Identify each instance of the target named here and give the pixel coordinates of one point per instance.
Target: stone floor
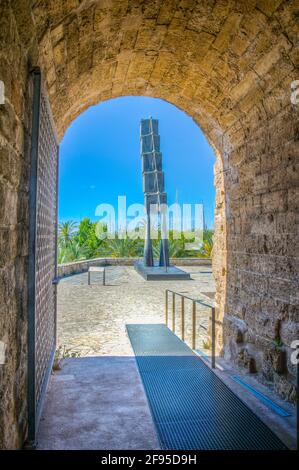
(91, 319)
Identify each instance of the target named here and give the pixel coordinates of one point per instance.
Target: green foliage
(62, 352)
(86, 237)
(126, 247)
(79, 242)
(72, 251)
(175, 248)
(66, 231)
(84, 241)
(206, 251)
(278, 342)
(206, 344)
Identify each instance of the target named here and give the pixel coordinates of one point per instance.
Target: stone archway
(230, 66)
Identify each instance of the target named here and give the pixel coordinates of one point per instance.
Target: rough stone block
(274, 361)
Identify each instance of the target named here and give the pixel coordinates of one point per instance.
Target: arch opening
(101, 175)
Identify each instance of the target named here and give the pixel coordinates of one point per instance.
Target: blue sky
(100, 158)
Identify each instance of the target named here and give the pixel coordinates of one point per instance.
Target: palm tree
(66, 230)
(123, 247)
(71, 251)
(175, 248)
(207, 246)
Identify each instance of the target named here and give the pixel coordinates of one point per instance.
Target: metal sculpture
(153, 189)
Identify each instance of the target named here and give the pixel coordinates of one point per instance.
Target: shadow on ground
(97, 403)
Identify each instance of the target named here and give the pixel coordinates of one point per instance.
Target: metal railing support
(166, 307)
(213, 334)
(193, 324)
(173, 311)
(183, 317)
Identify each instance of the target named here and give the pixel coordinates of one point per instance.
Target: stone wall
(219, 256)
(261, 311)
(230, 66)
(82, 266)
(14, 171)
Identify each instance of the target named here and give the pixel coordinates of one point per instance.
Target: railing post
(193, 324)
(183, 317)
(166, 307)
(173, 311)
(213, 338)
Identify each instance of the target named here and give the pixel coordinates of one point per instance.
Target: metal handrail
(194, 302)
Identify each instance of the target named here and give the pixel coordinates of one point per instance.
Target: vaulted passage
(228, 64)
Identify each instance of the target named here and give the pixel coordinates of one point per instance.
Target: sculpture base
(159, 273)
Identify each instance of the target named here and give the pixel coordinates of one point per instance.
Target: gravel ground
(92, 319)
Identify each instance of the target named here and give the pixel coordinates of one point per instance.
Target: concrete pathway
(97, 403)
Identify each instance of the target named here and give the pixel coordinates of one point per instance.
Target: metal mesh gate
(42, 253)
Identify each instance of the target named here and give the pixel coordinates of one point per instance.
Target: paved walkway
(91, 319)
(97, 403)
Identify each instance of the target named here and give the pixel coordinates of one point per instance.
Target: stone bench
(96, 269)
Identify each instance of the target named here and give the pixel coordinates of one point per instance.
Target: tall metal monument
(153, 188)
(154, 195)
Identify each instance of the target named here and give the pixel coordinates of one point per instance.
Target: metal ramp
(191, 407)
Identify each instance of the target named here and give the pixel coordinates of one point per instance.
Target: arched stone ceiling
(218, 60)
